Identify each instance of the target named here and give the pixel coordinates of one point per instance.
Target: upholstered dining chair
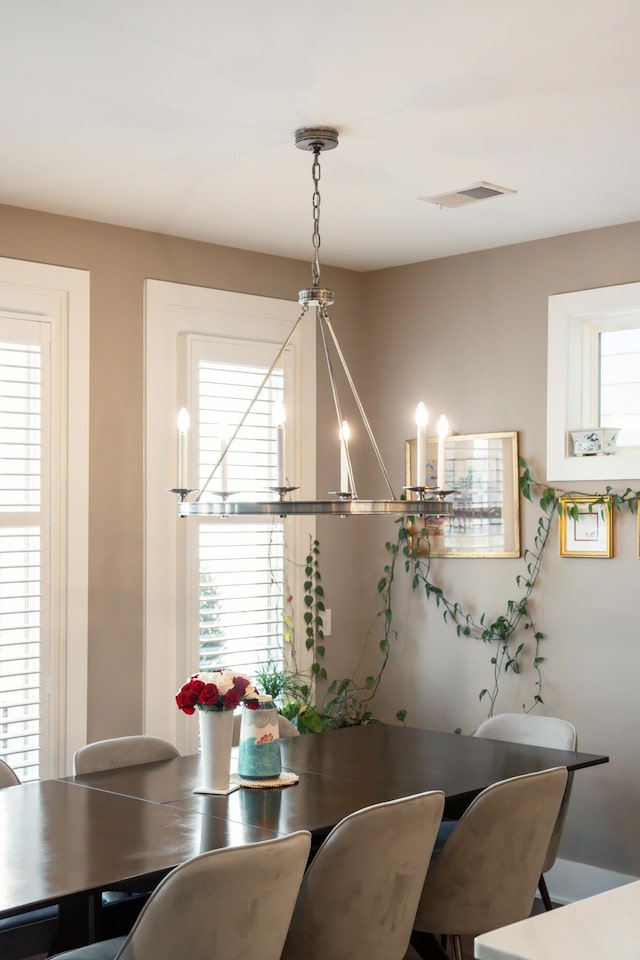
(118, 907)
(486, 874)
(540, 732)
(359, 895)
(121, 752)
(31, 933)
(223, 905)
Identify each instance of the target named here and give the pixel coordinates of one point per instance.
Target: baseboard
(568, 880)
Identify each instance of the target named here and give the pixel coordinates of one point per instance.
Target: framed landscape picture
(481, 471)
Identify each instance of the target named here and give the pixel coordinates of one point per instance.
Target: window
(43, 559)
(240, 565)
(617, 385)
(23, 536)
(207, 350)
(593, 380)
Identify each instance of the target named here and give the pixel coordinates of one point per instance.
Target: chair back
(8, 776)
(359, 896)
(121, 752)
(233, 902)
(540, 732)
(487, 873)
(529, 728)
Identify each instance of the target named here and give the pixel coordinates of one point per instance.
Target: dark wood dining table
(63, 841)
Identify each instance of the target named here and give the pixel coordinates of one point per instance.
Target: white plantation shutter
(24, 523)
(241, 564)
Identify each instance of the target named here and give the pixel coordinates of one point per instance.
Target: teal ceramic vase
(259, 753)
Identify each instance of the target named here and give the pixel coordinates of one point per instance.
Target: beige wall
(468, 336)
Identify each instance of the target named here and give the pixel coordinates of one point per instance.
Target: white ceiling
(179, 117)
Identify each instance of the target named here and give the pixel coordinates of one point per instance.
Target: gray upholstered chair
(121, 752)
(31, 933)
(8, 776)
(119, 906)
(486, 874)
(541, 732)
(222, 905)
(359, 896)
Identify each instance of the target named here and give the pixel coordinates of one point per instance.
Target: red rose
(209, 695)
(195, 686)
(232, 699)
(241, 684)
(251, 704)
(186, 700)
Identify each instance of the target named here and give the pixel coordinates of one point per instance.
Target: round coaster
(286, 779)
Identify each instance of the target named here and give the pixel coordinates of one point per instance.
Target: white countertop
(607, 925)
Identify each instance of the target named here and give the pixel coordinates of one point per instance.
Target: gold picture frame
(482, 471)
(589, 531)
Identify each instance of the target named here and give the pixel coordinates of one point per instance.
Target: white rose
(224, 682)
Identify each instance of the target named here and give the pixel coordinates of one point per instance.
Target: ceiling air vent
(477, 191)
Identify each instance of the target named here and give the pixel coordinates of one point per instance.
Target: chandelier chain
(315, 172)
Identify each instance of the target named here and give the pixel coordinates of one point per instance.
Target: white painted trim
(567, 313)
(569, 880)
(172, 309)
(65, 294)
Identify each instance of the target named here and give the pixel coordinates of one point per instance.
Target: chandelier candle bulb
(422, 419)
(280, 418)
(224, 465)
(345, 434)
(184, 422)
(443, 430)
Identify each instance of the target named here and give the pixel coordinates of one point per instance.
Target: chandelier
(419, 500)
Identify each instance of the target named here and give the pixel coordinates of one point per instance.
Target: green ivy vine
(512, 636)
(503, 633)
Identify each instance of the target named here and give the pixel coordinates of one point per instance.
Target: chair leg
(544, 893)
(457, 946)
(427, 946)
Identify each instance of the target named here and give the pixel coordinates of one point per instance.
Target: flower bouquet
(216, 695)
(218, 690)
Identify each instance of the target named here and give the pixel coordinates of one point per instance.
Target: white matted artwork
(586, 527)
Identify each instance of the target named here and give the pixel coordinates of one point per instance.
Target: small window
(618, 386)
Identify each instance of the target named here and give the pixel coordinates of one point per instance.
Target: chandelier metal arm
(322, 318)
(241, 423)
(354, 391)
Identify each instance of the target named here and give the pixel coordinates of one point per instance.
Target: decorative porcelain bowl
(597, 442)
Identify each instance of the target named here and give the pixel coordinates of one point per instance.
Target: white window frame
(568, 315)
(172, 310)
(59, 297)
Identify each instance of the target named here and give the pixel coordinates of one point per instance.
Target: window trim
(172, 309)
(568, 312)
(60, 296)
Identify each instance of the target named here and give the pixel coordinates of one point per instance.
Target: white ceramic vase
(216, 735)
